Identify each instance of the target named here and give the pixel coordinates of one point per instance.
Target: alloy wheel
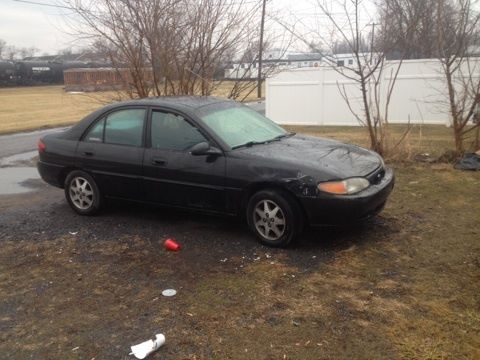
(81, 193)
(269, 220)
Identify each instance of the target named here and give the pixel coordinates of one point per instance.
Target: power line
(44, 4)
(71, 8)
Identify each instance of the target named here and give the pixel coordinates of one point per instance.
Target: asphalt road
(22, 142)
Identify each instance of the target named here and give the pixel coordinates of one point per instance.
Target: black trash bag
(469, 162)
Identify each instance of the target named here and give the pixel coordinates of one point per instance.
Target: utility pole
(373, 38)
(260, 52)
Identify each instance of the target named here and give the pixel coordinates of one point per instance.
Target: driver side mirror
(204, 148)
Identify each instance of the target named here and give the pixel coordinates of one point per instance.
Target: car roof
(182, 103)
(191, 102)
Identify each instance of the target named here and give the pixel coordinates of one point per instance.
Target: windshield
(240, 125)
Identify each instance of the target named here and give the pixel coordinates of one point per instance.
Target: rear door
(173, 176)
(112, 151)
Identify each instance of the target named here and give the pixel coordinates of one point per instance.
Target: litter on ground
(169, 292)
(171, 245)
(141, 351)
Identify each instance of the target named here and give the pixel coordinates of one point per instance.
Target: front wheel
(82, 193)
(274, 217)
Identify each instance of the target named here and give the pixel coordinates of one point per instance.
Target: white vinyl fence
(312, 96)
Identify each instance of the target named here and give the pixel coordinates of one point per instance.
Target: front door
(173, 176)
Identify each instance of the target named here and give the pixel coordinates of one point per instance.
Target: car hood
(323, 158)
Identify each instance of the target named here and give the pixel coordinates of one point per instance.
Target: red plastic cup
(171, 245)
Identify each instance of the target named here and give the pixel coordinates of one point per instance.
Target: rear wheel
(82, 193)
(274, 217)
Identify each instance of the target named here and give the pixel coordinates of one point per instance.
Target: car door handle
(88, 153)
(159, 161)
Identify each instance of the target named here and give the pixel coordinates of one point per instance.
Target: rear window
(122, 127)
(96, 132)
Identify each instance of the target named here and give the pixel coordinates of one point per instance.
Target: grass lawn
(30, 108)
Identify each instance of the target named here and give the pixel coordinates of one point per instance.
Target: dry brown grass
(434, 140)
(31, 108)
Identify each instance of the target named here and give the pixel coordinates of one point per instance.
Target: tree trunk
(374, 144)
(457, 134)
(457, 123)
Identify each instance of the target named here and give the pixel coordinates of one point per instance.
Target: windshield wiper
(283, 136)
(249, 144)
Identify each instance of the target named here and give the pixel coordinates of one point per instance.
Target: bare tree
(242, 77)
(245, 76)
(10, 52)
(3, 43)
(343, 46)
(246, 56)
(411, 28)
(446, 30)
(27, 52)
(169, 47)
(458, 30)
(344, 30)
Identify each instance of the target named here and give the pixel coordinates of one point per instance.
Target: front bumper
(325, 209)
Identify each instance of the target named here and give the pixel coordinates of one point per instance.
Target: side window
(96, 132)
(125, 127)
(173, 132)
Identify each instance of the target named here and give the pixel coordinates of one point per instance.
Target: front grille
(377, 176)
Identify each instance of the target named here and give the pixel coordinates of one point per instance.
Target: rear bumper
(341, 210)
(51, 173)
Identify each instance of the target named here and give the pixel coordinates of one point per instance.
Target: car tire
(274, 217)
(82, 193)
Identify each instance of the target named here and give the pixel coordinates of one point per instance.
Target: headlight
(344, 187)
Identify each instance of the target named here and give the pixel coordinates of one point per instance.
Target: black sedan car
(217, 156)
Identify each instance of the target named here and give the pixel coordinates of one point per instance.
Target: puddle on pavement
(15, 180)
(18, 158)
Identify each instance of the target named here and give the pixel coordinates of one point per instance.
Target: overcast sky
(43, 27)
(27, 25)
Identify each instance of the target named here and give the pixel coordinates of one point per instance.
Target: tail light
(41, 146)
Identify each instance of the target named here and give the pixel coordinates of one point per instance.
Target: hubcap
(81, 193)
(269, 220)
